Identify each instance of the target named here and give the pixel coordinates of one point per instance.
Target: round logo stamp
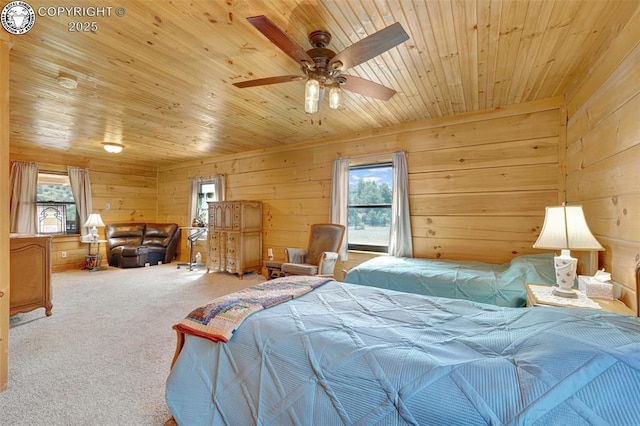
(18, 17)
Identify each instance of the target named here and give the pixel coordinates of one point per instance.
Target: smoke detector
(67, 81)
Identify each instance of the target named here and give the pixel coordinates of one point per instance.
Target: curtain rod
(373, 156)
(201, 178)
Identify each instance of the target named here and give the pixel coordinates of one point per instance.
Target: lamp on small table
(565, 228)
(94, 221)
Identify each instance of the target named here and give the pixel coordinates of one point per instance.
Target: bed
(498, 284)
(351, 354)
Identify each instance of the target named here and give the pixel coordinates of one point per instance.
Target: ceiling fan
(323, 67)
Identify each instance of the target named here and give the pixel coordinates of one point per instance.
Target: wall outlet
(63, 254)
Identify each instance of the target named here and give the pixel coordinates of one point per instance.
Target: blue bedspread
(348, 354)
(498, 284)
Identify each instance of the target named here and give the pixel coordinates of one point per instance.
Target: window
(205, 193)
(369, 211)
(57, 213)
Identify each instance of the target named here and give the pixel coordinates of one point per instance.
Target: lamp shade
(565, 227)
(94, 219)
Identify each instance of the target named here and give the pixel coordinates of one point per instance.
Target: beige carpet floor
(103, 357)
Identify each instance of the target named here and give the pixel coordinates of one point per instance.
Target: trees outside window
(369, 212)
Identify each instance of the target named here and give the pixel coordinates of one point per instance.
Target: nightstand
(93, 261)
(274, 269)
(540, 295)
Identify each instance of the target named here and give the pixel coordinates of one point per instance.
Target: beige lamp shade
(94, 220)
(565, 227)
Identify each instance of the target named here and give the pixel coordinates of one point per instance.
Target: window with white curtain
(206, 192)
(369, 206)
(372, 200)
(56, 207)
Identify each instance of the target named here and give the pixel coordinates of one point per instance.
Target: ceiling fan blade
(268, 80)
(280, 38)
(367, 88)
(369, 47)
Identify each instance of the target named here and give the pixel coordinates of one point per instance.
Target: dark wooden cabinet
(30, 269)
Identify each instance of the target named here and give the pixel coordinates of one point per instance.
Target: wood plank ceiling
(159, 78)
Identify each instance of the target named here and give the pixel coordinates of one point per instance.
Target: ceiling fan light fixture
(335, 97)
(323, 66)
(311, 95)
(113, 148)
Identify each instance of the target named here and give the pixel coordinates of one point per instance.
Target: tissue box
(594, 288)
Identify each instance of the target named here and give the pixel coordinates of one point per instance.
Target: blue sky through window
(378, 175)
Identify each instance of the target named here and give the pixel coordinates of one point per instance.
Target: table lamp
(94, 221)
(565, 228)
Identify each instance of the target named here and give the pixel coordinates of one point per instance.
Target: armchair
(321, 254)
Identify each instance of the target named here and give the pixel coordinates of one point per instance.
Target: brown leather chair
(132, 245)
(321, 254)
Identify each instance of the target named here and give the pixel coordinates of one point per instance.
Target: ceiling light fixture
(113, 148)
(315, 87)
(67, 81)
(311, 95)
(335, 96)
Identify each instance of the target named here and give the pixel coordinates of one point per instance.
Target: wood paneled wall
(603, 156)
(130, 190)
(5, 45)
(478, 182)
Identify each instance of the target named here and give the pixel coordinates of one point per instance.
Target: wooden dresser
(30, 266)
(235, 237)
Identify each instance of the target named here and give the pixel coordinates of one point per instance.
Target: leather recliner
(131, 245)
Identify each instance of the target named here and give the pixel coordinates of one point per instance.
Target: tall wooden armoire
(235, 237)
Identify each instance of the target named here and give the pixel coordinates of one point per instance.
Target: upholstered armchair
(321, 254)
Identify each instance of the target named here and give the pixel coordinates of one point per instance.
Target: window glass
(57, 213)
(206, 193)
(370, 195)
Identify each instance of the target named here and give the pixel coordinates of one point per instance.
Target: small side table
(274, 269)
(93, 262)
(540, 295)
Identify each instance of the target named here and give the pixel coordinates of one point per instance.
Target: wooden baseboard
(66, 267)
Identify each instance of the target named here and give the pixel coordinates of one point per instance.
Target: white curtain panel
(23, 183)
(81, 190)
(400, 239)
(193, 208)
(340, 199)
(219, 183)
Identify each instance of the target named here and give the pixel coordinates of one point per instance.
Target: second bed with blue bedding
(497, 284)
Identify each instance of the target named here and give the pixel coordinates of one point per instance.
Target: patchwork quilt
(218, 319)
(346, 354)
